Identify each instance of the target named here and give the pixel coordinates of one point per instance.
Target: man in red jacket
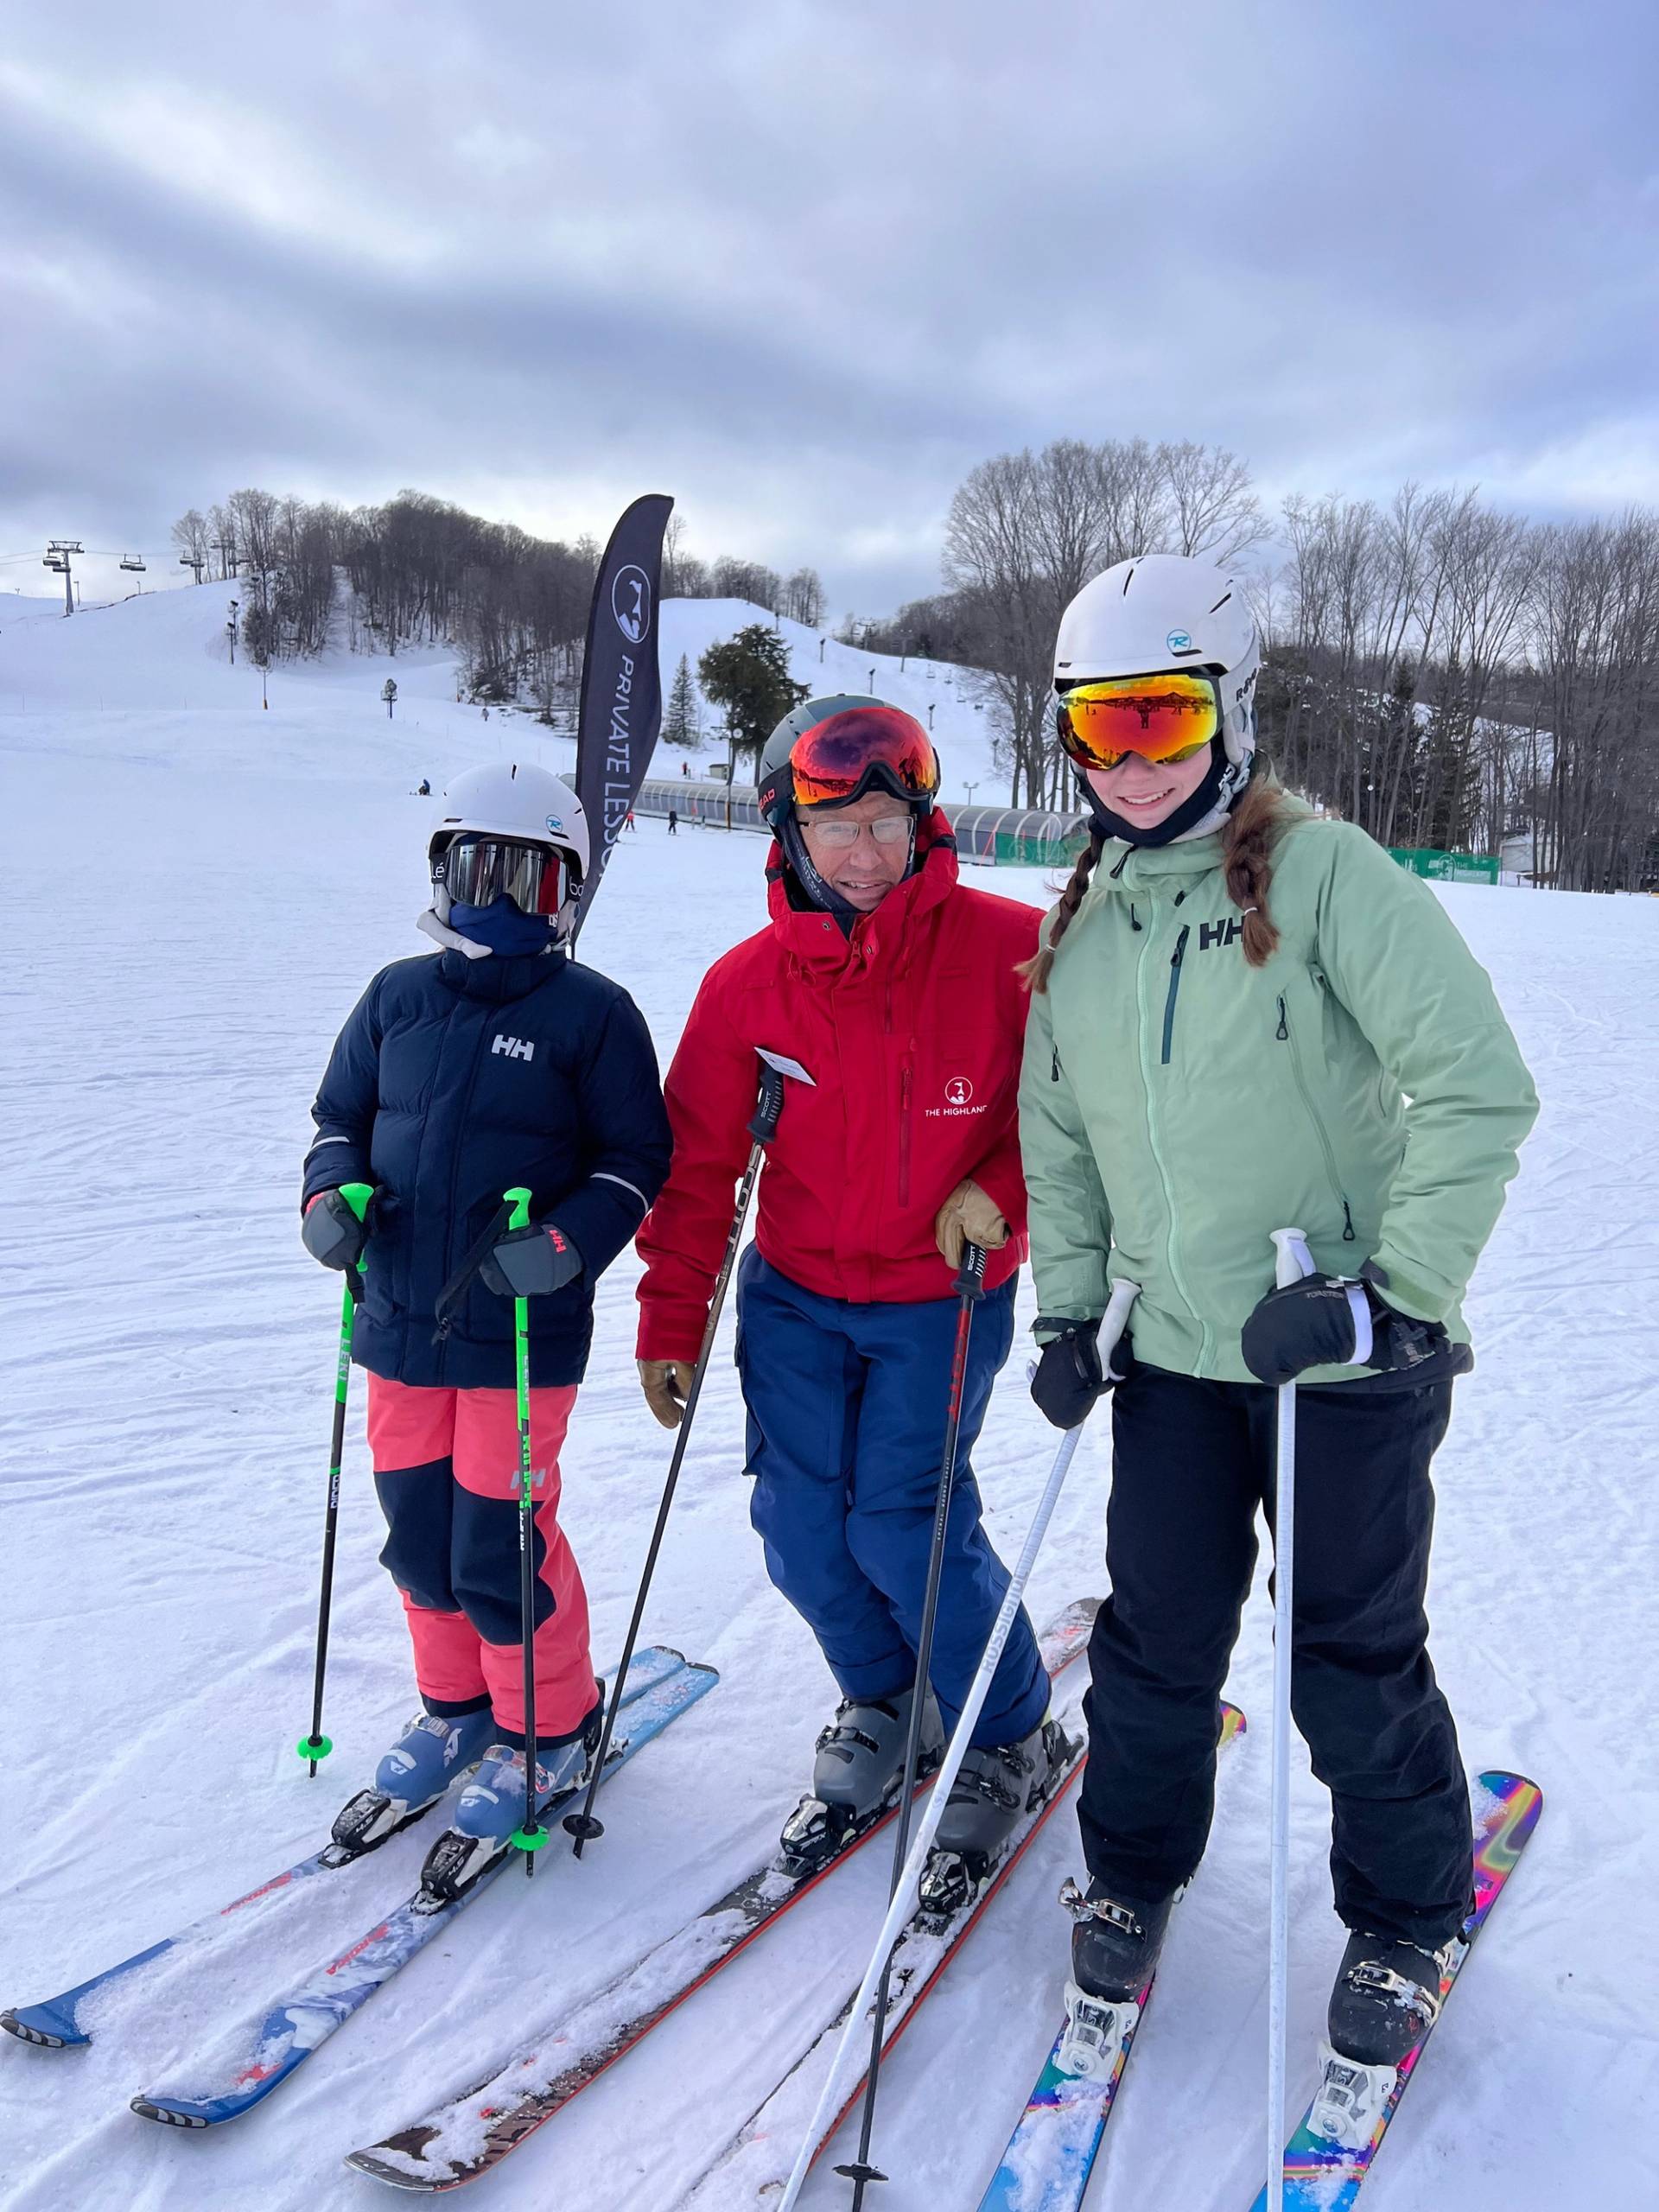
(895, 989)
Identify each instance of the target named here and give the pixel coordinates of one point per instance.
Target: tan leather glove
(969, 1214)
(667, 1385)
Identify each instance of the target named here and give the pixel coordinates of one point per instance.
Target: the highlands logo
(958, 1091)
(631, 603)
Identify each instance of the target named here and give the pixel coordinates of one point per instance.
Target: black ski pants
(1193, 1461)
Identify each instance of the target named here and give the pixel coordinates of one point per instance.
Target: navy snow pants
(846, 1406)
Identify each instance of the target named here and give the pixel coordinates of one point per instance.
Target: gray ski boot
(857, 1775)
(997, 1786)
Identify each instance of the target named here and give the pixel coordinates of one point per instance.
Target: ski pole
(1294, 1261)
(531, 1836)
(763, 1126)
(970, 1288)
(908, 1888)
(316, 1746)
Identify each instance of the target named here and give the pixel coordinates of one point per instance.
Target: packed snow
(207, 886)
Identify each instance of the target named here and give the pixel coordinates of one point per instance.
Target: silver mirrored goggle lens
(477, 871)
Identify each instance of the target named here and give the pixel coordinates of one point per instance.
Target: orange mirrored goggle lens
(1160, 717)
(837, 755)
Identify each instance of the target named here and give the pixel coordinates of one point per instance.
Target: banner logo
(631, 603)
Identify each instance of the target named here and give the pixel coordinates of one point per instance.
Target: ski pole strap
(454, 1290)
(970, 1275)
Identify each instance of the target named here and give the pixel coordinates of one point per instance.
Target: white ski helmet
(522, 804)
(1161, 611)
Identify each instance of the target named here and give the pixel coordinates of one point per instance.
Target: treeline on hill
(419, 571)
(1444, 674)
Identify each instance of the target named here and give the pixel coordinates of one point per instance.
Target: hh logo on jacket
(515, 1048)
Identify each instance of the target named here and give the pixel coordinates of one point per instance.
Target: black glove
(1333, 1321)
(530, 1262)
(1068, 1379)
(331, 1232)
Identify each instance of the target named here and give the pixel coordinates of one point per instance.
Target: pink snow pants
(446, 1467)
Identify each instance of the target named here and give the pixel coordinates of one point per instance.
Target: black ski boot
(995, 1790)
(1387, 1998)
(1116, 1941)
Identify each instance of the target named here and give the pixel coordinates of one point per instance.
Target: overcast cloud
(802, 264)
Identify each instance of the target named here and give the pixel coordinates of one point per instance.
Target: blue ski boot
(492, 1807)
(433, 1750)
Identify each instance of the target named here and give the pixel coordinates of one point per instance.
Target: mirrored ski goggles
(477, 871)
(1167, 717)
(841, 756)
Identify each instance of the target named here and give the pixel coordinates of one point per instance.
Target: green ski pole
(316, 1746)
(531, 1836)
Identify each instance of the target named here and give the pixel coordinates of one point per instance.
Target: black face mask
(1192, 809)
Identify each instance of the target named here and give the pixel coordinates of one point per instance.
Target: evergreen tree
(748, 677)
(681, 722)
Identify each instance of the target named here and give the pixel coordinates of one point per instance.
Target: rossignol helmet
(827, 753)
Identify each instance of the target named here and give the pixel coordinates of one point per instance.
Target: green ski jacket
(1177, 1105)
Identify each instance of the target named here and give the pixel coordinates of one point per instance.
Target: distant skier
(673, 821)
(1254, 1020)
(493, 1063)
(423, 788)
(895, 987)
(628, 821)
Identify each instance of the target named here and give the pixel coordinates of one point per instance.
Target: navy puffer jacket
(453, 1080)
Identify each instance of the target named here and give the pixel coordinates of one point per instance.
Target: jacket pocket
(1175, 960)
(1284, 1035)
(906, 1095)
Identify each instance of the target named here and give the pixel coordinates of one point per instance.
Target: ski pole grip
(1293, 1258)
(357, 1196)
(519, 1199)
(763, 1123)
(1114, 1320)
(970, 1275)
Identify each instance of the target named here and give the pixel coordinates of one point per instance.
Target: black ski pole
(971, 1288)
(763, 1126)
(316, 1746)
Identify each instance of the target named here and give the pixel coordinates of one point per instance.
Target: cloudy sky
(802, 264)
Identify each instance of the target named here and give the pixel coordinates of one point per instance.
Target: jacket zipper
(1175, 960)
(1283, 1033)
(904, 1134)
(1144, 1027)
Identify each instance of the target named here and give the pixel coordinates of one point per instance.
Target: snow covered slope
(205, 889)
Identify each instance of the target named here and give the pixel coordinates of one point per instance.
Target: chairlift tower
(196, 562)
(58, 551)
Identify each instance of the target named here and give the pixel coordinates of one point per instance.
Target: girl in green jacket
(1246, 1018)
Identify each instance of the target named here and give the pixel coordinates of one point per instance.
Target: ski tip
(167, 2116)
(44, 2027)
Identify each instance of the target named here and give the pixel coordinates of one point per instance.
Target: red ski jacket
(912, 1029)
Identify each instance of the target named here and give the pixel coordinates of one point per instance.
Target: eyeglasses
(885, 829)
(1167, 717)
(477, 871)
(838, 757)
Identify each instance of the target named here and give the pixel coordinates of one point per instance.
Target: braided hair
(1248, 838)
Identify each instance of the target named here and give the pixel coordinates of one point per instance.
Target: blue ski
(60, 2023)
(259, 2056)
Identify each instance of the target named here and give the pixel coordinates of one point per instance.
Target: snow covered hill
(205, 887)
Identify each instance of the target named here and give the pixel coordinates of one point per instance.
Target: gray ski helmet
(866, 742)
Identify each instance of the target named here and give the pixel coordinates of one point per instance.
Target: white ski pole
(908, 1889)
(1293, 1262)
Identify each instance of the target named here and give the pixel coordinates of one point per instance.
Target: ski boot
(857, 1775)
(426, 1758)
(993, 1793)
(1386, 1999)
(491, 1809)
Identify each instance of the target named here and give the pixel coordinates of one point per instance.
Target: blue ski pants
(846, 1418)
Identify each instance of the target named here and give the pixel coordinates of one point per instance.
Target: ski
(470, 2133)
(262, 2053)
(1051, 2151)
(1322, 2173)
(62, 2022)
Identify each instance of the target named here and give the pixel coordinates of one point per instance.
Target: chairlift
(134, 564)
(52, 561)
